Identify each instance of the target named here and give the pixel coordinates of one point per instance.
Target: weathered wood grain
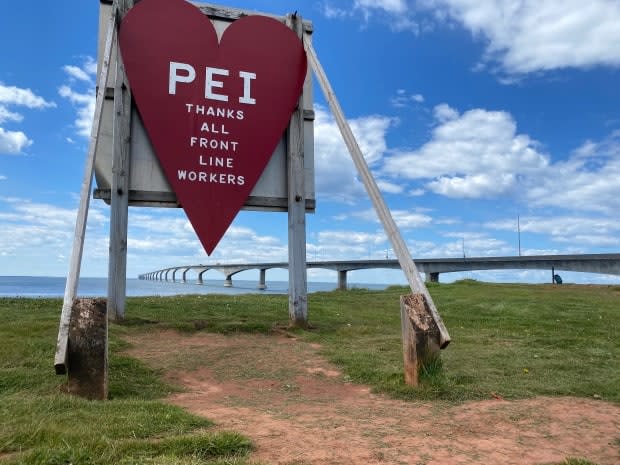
(119, 203)
(420, 336)
(88, 349)
(297, 272)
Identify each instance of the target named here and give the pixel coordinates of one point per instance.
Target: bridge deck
(590, 263)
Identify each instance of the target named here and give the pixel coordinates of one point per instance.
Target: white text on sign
(185, 73)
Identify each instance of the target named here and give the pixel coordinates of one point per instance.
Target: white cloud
(11, 95)
(480, 154)
(538, 35)
(389, 6)
(7, 115)
(3, 178)
(176, 225)
(77, 73)
(35, 231)
(336, 176)
(410, 220)
(521, 36)
(246, 250)
(403, 99)
(85, 108)
(82, 98)
(581, 232)
(587, 180)
(169, 232)
(351, 237)
(389, 187)
(459, 244)
(346, 245)
(332, 12)
(36, 234)
(13, 142)
(444, 113)
(476, 154)
(28, 226)
(592, 240)
(473, 186)
(90, 66)
(395, 12)
(477, 244)
(404, 219)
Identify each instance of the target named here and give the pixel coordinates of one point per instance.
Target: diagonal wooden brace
(391, 230)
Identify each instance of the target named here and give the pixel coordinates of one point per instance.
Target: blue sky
(470, 113)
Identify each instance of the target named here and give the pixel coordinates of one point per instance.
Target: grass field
(41, 425)
(513, 341)
(516, 341)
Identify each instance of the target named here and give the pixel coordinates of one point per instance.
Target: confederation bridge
(432, 267)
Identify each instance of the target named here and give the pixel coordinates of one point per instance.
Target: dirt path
(297, 409)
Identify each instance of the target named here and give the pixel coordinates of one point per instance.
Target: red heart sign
(214, 111)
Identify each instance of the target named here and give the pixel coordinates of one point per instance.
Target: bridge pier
(228, 281)
(432, 277)
(261, 282)
(342, 280)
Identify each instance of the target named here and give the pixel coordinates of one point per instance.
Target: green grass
(514, 341)
(574, 461)
(41, 425)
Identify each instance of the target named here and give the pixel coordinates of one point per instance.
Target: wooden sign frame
(120, 197)
(115, 175)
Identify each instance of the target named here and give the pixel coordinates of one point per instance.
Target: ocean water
(34, 286)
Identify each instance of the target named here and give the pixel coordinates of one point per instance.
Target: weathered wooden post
(119, 193)
(420, 336)
(88, 349)
(297, 274)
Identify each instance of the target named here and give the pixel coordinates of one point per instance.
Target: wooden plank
(391, 230)
(168, 199)
(232, 14)
(297, 272)
(60, 358)
(119, 203)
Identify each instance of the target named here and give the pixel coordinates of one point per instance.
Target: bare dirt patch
(299, 410)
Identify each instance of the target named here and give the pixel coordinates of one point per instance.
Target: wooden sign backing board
(148, 185)
(294, 189)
